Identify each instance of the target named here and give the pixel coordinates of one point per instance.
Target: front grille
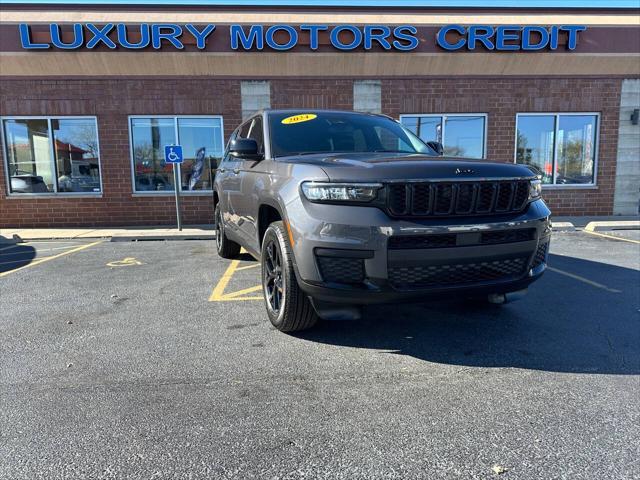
(422, 241)
(407, 278)
(508, 236)
(341, 270)
(406, 242)
(437, 199)
(541, 254)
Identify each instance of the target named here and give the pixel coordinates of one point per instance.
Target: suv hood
(376, 167)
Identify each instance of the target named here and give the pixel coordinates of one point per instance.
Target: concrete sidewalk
(205, 232)
(194, 232)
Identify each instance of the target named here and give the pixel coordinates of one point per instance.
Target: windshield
(305, 133)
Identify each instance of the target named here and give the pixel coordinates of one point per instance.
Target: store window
(202, 146)
(52, 155)
(462, 135)
(561, 146)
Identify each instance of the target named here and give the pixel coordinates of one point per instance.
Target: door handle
(222, 170)
(236, 171)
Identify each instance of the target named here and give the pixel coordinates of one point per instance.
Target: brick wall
(502, 99)
(111, 101)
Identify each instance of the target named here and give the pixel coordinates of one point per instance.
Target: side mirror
(437, 146)
(244, 147)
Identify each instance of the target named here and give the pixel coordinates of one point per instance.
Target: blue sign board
(285, 37)
(173, 154)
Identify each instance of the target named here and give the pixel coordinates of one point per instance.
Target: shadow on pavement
(15, 256)
(565, 324)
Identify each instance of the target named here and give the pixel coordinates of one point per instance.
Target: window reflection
(427, 128)
(149, 136)
(576, 149)
(561, 147)
(535, 143)
(201, 140)
(29, 156)
(202, 146)
(464, 136)
(76, 149)
(52, 155)
(461, 135)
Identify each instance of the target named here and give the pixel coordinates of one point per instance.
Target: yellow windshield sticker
(303, 117)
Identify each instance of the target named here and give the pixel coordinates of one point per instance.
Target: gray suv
(344, 209)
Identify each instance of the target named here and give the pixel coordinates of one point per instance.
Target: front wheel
(288, 308)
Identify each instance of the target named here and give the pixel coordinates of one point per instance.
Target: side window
(257, 134)
(233, 136)
(391, 142)
(243, 131)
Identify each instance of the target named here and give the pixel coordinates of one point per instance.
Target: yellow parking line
(583, 280)
(216, 295)
(52, 257)
(233, 295)
(247, 267)
(611, 236)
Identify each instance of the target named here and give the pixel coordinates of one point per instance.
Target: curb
(160, 238)
(614, 225)
(563, 227)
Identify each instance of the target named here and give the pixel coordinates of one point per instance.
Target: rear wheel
(225, 247)
(288, 308)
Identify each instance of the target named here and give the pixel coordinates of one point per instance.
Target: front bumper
(362, 236)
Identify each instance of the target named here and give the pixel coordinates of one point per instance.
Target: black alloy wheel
(274, 284)
(288, 307)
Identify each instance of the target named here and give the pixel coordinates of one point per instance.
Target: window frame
(556, 118)
(193, 193)
(52, 151)
(444, 129)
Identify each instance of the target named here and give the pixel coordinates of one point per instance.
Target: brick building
(83, 124)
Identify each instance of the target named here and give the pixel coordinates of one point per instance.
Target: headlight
(535, 189)
(340, 192)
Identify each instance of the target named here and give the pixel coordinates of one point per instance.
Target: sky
(366, 3)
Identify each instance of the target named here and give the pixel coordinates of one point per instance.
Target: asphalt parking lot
(156, 360)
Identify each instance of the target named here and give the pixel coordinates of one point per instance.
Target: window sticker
(302, 117)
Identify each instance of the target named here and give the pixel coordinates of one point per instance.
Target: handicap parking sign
(173, 153)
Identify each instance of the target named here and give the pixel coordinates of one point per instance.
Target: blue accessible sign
(173, 153)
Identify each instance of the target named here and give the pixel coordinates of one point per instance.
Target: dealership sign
(285, 37)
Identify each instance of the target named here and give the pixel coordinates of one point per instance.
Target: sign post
(173, 155)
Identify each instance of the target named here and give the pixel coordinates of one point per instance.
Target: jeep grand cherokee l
(344, 209)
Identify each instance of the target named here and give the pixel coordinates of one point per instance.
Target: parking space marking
(583, 280)
(247, 267)
(51, 257)
(125, 262)
(219, 295)
(611, 236)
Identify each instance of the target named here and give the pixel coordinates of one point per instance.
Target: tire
(225, 247)
(288, 308)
